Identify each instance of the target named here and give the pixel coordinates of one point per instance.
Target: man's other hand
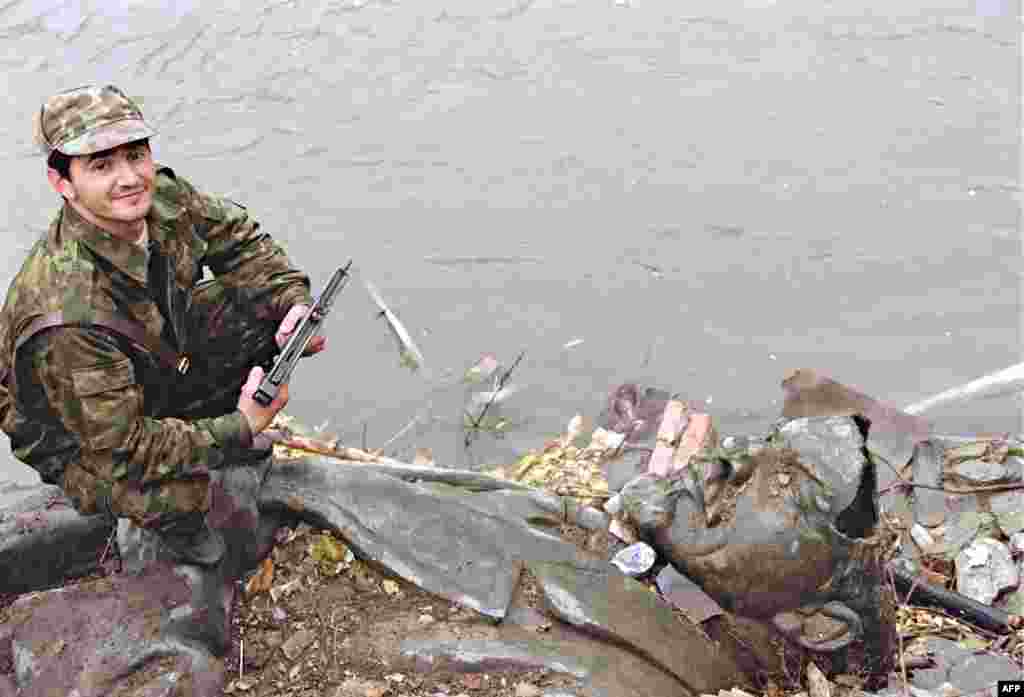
(317, 344)
(260, 416)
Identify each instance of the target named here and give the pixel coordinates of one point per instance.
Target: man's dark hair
(62, 163)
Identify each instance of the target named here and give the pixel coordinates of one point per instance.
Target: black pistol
(300, 337)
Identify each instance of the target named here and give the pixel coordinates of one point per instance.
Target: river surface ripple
(707, 193)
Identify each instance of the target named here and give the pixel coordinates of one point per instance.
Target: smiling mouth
(122, 197)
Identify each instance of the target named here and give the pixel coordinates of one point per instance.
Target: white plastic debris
(985, 569)
(635, 560)
(921, 536)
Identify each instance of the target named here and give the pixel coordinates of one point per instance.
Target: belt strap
(130, 329)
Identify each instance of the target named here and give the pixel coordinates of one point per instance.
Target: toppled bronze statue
(781, 530)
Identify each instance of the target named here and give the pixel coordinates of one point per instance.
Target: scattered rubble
(985, 569)
(770, 567)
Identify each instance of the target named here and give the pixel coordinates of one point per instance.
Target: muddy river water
(699, 195)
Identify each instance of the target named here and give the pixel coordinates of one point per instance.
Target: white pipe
(1005, 382)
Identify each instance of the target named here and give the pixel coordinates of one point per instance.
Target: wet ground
(708, 194)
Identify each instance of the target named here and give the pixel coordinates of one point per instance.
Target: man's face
(114, 188)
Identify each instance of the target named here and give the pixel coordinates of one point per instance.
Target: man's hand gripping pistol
(300, 338)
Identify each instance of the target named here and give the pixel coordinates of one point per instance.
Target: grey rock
(43, 539)
(946, 654)
(686, 595)
(945, 651)
(87, 638)
(978, 673)
(600, 600)
(929, 679)
(154, 628)
(929, 505)
(982, 472)
(962, 530)
(1008, 508)
(1015, 466)
(985, 569)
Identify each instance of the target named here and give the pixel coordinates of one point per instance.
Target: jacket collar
(130, 259)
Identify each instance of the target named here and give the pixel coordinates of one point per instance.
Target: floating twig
(401, 432)
(408, 352)
(498, 388)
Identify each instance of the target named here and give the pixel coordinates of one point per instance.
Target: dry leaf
(575, 428)
(263, 580)
(390, 587)
(602, 440)
(483, 369)
(525, 689)
(285, 589)
(473, 681)
(525, 464)
(325, 548)
(817, 682)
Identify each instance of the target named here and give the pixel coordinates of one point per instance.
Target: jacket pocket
(110, 401)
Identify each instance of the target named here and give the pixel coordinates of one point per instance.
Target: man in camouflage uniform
(128, 379)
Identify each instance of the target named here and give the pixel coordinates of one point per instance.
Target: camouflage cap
(89, 119)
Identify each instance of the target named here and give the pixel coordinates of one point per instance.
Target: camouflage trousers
(226, 340)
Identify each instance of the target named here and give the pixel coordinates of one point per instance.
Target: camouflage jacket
(86, 395)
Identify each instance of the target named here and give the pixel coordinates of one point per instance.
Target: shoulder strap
(130, 329)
